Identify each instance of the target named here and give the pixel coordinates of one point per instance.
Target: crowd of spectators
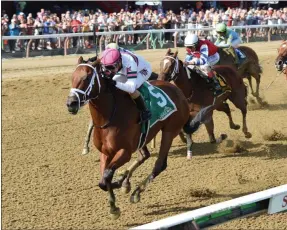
(47, 22)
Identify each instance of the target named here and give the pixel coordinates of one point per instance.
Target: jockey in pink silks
(127, 71)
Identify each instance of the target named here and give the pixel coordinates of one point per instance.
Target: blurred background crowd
(146, 17)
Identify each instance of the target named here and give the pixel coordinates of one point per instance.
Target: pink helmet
(110, 56)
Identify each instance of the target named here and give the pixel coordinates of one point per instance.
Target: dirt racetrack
(48, 184)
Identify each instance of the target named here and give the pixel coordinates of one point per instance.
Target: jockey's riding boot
(234, 55)
(145, 114)
(217, 90)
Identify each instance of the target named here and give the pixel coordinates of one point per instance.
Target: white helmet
(190, 40)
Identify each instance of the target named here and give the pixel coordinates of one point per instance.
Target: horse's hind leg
(86, 148)
(160, 165)
(250, 84)
(258, 78)
(143, 155)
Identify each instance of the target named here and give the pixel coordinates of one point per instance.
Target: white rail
(188, 217)
(65, 35)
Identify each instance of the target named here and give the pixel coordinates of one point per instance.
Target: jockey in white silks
(127, 71)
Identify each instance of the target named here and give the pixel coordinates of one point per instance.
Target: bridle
(174, 74)
(86, 94)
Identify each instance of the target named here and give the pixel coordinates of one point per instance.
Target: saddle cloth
(160, 105)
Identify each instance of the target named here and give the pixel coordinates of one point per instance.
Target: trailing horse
(247, 68)
(281, 60)
(199, 95)
(117, 133)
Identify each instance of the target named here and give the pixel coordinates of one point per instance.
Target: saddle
(218, 76)
(238, 56)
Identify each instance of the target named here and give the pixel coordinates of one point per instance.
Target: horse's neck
(102, 107)
(183, 82)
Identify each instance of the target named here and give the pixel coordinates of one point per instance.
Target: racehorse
(86, 148)
(199, 95)
(117, 132)
(281, 60)
(247, 69)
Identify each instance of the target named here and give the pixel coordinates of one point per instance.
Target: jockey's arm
(218, 41)
(130, 72)
(202, 60)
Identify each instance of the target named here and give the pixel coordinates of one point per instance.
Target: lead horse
(199, 95)
(117, 132)
(281, 60)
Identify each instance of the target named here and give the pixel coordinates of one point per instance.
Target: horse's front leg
(108, 168)
(245, 129)
(160, 165)
(189, 143)
(182, 137)
(225, 108)
(86, 148)
(143, 155)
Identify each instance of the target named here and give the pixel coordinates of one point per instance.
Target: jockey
(127, 71)
(204, 54)
(228, 38)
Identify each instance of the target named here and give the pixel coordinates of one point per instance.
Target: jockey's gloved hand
(112, 82)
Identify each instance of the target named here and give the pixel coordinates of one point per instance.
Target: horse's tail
(202, 116)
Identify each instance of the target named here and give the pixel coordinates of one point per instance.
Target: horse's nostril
(280, 62)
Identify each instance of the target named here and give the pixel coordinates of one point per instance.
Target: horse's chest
(111, 140)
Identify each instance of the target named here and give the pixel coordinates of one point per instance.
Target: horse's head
(169, 67)
(86, 85)
(281, 60)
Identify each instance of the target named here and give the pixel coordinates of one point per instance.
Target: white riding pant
(132, 84)
(211, 61)
(235, 43)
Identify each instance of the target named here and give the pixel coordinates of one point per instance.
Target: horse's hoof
(85, 151)
(126, 188)
(236, 127)
(115, 214)
(189, 155)
(213, 141)
(221, 138)
(248, 135)
(135, 197)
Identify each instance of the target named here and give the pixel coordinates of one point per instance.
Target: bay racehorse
(199, 95)
(247, 69)
(86, 148)
(281, 60)
(117, 132)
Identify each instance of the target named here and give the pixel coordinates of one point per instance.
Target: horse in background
(199, 95)
(281, 60)
(249, 68)
(117, 132)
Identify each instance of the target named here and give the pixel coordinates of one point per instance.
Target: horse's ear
(175, 54)
(80, 60)
(168, 51)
